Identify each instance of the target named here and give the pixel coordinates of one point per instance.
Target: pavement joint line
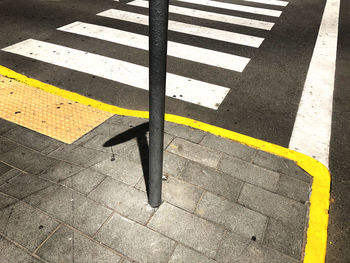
(103, 224)
(61, 223)
(315, 249)
(84, 234)
(47, 238)
(26, 250)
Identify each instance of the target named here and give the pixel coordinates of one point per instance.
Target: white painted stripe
(212, 16)
(186, 89)
(268, 2)
(201, 55)
(240, 8)
(201, 31)
(312, 128)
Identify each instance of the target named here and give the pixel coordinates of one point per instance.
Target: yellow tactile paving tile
(46, 113)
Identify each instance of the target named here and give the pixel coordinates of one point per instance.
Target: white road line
(269, 2)
(200, 55)
(212, 16)
(241, 8)
(312, 128)
(182, 88)
(201, 31)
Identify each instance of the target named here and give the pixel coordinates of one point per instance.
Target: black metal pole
(158, 35)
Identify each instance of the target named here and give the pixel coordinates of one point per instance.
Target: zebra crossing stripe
(212, 16)
(269, 2)
(200, 55)
(231, 37)
(312, 127)
(235, 7)
(186, 89)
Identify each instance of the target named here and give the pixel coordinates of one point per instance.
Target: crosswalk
(179, 87)
(200, 31)
(235, 7)
(200, 55)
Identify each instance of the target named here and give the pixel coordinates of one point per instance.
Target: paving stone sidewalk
(222, 201)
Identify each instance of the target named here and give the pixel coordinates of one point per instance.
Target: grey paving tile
(53, 146)
(25, 225)
(249, 173)
(19, 157)
(187, 228)
(101, 137)
(96, 142)
(181, 194)
(84, 181)
(122, 169)
(195, 152)
(78, 155)
(232, 246)
(116, 118)
(125, 199)
(216, 182)
(167, 140)
(40, 163)
(60, 171)
(9, 252)
(177, 192)
(5, 201)
(4, 178)
(126, 121)
(24, 185)
(4, 168)
(5, 126)
(46, 193)
(173, 164)
(184, 255)
(240, 250)
(86, 137)
(71, 208)
(228, 146)
(68, 246)
(273, 205)
(111, 129)
(285, 238)
(6, 145)
(135, 241)
(293, 188)
(26, 159)
(239, 219)
(127, 150)
(281, 165)
(32, 139)
(184, 132)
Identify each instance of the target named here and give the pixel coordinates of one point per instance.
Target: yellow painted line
(315, 250)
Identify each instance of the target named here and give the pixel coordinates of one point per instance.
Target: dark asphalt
(339, 214)
(263, 100)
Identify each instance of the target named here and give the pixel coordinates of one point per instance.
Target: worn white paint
(195, 30)
(268, 2)
(196, 54)
(235, 7)
(182, 88)
(211, 16)
(312, 128)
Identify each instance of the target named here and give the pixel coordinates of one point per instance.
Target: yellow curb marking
(315, 250)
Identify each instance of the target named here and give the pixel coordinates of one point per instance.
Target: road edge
(316, 243)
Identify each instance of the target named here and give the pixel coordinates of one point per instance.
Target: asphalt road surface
(264, 68)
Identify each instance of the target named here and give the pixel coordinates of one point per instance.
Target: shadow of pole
(139, 132)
